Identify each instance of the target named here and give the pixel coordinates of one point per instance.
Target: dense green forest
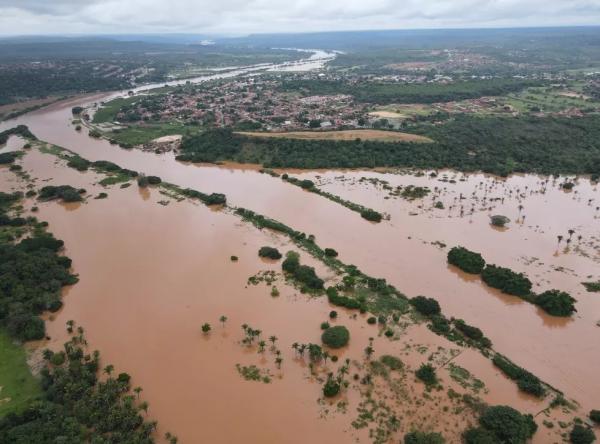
(384, 93)
(76, 406)
(495, 145)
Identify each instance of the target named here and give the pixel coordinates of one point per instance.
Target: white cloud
(244, 16)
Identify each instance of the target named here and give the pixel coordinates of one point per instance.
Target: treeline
(553, 302)
(385, 93)
(32, 274)
(19, 130)
(308, 185)
(498, 145)
(77, 406)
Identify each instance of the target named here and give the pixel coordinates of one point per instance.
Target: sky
(239, 17)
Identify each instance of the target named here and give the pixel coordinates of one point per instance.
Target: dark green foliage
(325, 325)
(9, 157)
(336, 337)
(556, 303)
(153, 180)
(426, 306)
(330, 252)
(426, 373)
(142, 181)
(269, 252)
(215, 199)
(392, 362)
(31, 278)
(335, 298)
(508, 425)
(303, 273)
(372, 320)
(595, 416)
(506, 280)
(467, 261)
(473, 333)
(384, 93)
(77, 407)
(65, 192)
(78, 163)
(76, 110)
(105, 166)
(479, 435)
(581, 435)
(332, 313)
(525, 144)
(423, 438)
(593, 287)
(19, 130)
(371, 215)
(526, 381)
(331, 387)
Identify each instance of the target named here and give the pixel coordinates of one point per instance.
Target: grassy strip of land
(138, 135)
(308, 185)
(109, 110)
(378, 135)
(18, 387)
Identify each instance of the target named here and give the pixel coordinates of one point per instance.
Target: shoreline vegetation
(308, 185)
(554, 302)
(356, 290)
(551, 145)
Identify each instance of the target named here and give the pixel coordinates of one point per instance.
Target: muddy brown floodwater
(152, 274)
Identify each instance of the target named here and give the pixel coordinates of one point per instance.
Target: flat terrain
(17, 386)
(379, 135)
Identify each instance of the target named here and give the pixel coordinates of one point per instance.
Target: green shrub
(153, 180)
(333, 314)
(325, 325)
(556, 303)
(508, 425)
(269, 252)
(392, 362)
(215, 199)
(58, 358)
(372, 320)
(426, 306)
(65, 192)
(343, 301)
(526, 381)
(330, 252)
(426, 373)
(581, 435)
(595, 416)
(142, 181)
(506, 280)
(479, 435)
(78, 163)
(467, 261)
(423, 438)
(331, 387)
(371, 215)
(291, 262)
(336, 337)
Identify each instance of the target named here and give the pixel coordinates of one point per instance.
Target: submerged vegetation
(467, 261)
(336, 337)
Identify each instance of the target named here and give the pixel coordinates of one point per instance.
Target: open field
(17, 386)
(379, 135)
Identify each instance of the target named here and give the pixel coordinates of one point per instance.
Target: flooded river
(152, 274)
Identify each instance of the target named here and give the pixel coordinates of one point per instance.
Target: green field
(549, 100)
(110, 109)
(17, 385)
(138, 135)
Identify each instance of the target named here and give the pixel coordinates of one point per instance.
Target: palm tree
(261, 346)
(206, 328)
(223, 319)
(137, 391)
(278, 361)
(571, 233)
(369, 351)
(560, 238)
(70, 324)
(273, 339)
(109, 369)
(295, 346)
(144, 406)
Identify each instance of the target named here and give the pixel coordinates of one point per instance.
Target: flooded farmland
(154, 269)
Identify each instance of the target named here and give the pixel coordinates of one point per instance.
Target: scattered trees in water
(269, 252)
(331, 387)
(336, 337)
(64, 192)
(467, 261)
(502, 424)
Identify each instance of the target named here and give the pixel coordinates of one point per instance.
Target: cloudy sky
(18, 17)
